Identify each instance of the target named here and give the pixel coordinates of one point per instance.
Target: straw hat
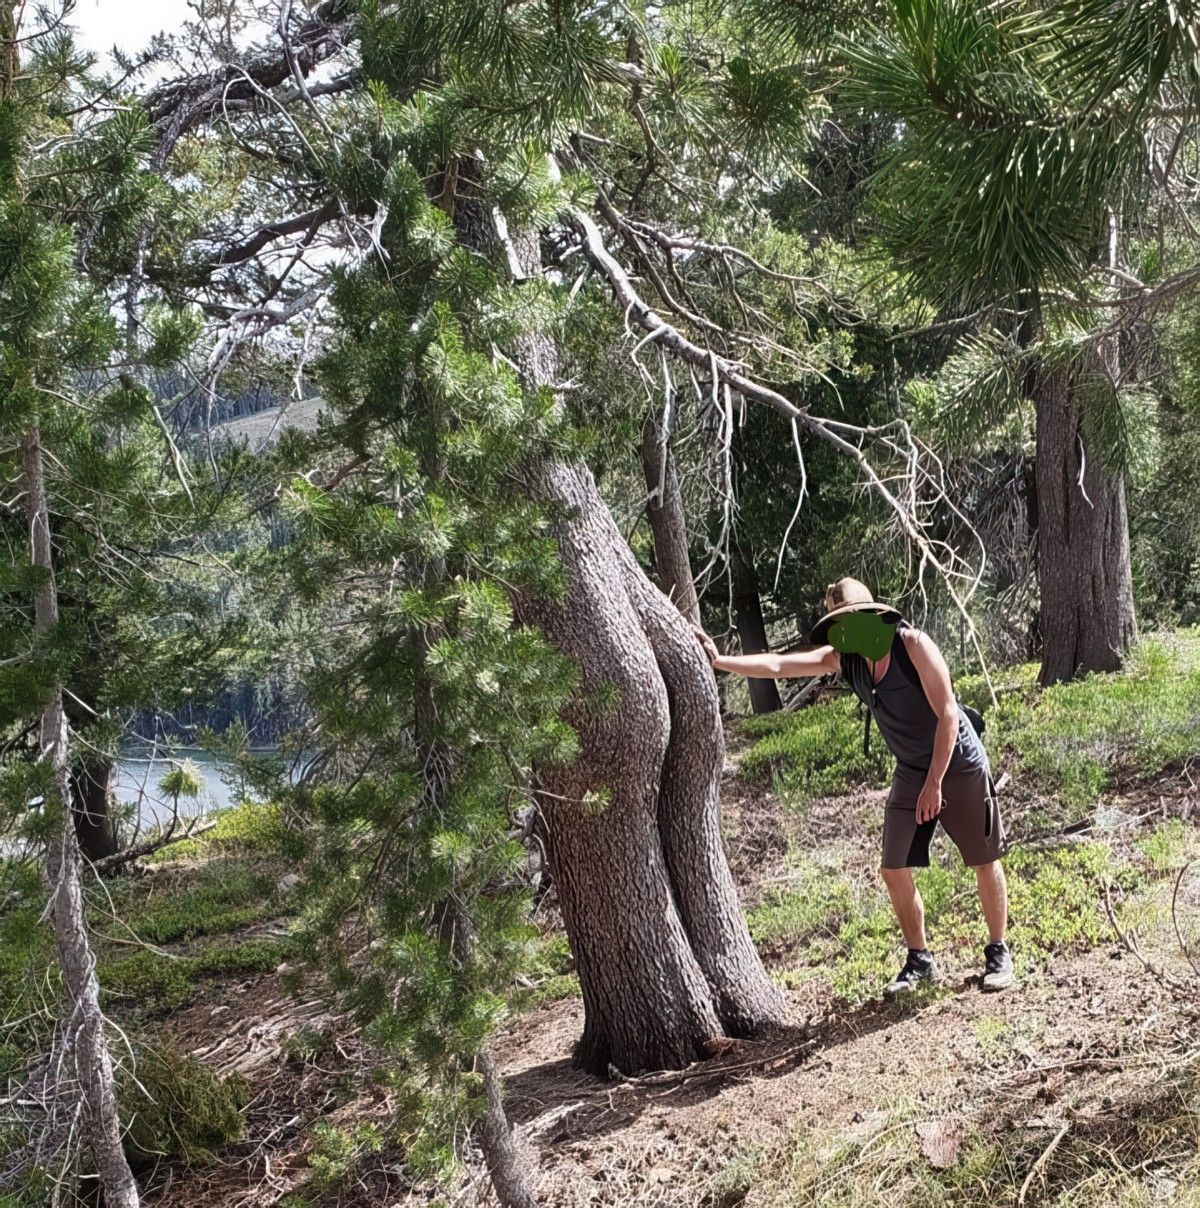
(849, 595)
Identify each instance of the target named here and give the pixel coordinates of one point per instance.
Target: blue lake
(139, 771)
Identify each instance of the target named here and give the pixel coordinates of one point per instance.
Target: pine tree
(432, 703)
(50, 323)
(1022, 144)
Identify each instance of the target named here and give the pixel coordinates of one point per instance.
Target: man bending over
(941, 767)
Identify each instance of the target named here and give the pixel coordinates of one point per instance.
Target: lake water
(138, 774)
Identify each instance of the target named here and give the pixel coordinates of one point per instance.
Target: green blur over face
(865, 633)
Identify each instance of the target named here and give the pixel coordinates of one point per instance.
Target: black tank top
(903, 715)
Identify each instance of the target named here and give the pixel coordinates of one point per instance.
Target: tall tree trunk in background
(1086, 617)
(752, 631)
(85, 1061)
(668, 523)
(92, 808)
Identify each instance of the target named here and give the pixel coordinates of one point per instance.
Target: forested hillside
(392, 396)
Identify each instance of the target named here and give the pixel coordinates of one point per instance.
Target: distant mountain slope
(263, 428)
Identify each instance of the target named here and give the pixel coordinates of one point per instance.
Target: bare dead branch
(733, 377)
(140, 850)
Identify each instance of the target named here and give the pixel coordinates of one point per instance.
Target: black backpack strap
(855, 672)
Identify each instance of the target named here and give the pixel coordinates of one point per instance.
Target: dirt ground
(1093, 1060)
(1071, 1045)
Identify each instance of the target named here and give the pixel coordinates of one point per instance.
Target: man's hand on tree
(929, 803)
(707, 645)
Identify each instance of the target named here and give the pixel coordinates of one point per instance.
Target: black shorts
(970, 816)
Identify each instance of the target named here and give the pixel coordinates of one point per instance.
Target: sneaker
(918, 967)
(997, 967)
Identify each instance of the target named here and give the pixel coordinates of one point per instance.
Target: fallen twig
(1058, 1136)
(1134, 949)
(120, 858)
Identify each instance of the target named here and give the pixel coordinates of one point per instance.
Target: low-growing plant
(813, 752)
(172, 1105)
(219, 898)
(249, 826)
(1170, 845)
(337, 1151)
(308, 1044)
(153, 983)
(843, 930)
(1075, 738)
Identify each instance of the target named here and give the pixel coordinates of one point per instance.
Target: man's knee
(893, 876)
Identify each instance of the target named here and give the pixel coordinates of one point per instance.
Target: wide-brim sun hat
(846, 596)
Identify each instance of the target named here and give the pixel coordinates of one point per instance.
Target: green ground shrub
(219, 898)
(337, 1151)
(176, 1107)
(153, 983)
(842, 928)
(247, 827)
(813, 752)
(550, 970)
(1075, 738)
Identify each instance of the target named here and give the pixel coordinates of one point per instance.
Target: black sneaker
(997, 967)
(918, 967)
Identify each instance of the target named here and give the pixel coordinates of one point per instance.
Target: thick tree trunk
(752, 631)
(664, 508)
(1086, 617)
(664, 958)
(85, 1061)
(92, 807)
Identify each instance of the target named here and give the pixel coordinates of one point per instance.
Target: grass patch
(549, 972)
(814, 752)
(1169, 846)
(841, 928)
(249, 826)
(1074, 739)
(152, 984)
(221, 897)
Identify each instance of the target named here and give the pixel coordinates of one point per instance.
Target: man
(941, 767)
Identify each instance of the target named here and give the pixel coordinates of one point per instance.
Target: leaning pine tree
(52, 326)
(630, 807)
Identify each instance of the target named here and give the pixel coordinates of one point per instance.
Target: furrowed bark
(506, 1167)
(85, 1045)
(662, 950)
(646, 1000)
(1084, 574)
(689, 819)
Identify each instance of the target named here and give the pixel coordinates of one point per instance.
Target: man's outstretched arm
(823, 660)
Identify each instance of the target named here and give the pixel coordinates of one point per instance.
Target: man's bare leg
(993, 898)
(907, 904)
